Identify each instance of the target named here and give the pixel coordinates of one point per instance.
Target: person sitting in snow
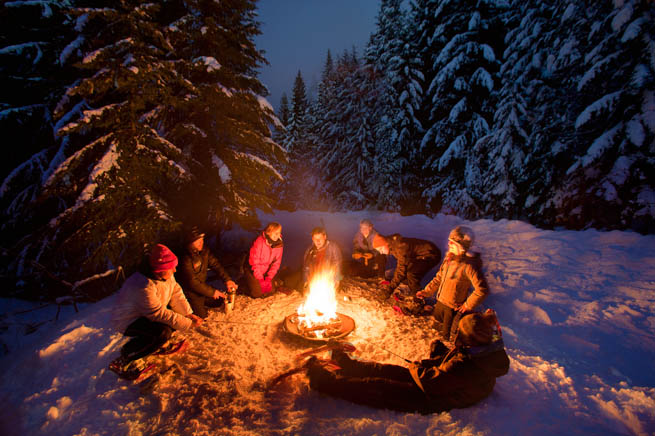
(415, 257)
(322, 256)
(451, 378)
(142, 308)
(194, 266)
(263, 262)
(368, 262)
(460, 271)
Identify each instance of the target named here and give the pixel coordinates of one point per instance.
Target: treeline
(528, 109)
(122, 121)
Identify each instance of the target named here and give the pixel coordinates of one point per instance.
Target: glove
(267, 286)
(357, 256)
(367, 256)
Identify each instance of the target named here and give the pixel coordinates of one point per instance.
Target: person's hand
(231, 285)
(463, 308)
(218, 294)
(195, 320)
(267, 286)
(420, 294)
(367, 256)
(386, 288)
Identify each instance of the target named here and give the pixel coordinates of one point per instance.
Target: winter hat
(194, 234)
(380, 241)
(475, 329)
(162, 258)
(462, 235)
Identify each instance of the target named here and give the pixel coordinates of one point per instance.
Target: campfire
(317, 318)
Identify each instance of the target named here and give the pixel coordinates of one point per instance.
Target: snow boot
(130, 370)
(172, 348)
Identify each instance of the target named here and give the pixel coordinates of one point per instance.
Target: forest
(124, 121)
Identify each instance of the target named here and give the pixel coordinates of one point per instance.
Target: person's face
(165, 275)
(455, 248)
(319, 240)
(365, 229)
(198, 244)
(275, 235)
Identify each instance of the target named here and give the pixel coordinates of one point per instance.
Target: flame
(320, 306)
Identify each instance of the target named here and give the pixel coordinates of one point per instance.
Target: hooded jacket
(141, 295)
(407, 251)
(193, 269)
(462, 376)
(265, 257)
(456, 275)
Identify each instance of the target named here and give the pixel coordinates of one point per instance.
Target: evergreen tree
(285, 112)
(166, 126)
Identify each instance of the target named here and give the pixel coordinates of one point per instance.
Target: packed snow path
(576, 310)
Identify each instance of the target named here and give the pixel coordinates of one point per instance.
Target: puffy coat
(362, 244)
(265, 258)
(462, 377)
(193, 269)
(143, 296)
(316, 260)
(408, 250)
(456, 275)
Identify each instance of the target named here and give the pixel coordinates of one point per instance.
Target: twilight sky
(296, 35)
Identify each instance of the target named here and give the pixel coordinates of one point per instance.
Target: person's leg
(197, 303)
(371, 391)
(357, 368)
(252, 284)
(379, 263)
(444, 315)
(147, 337)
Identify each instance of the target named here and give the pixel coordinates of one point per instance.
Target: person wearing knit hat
(262, 263)
(195, 263)
(149, 307)
(452, 377)
(460, 271)
(414, 258)
(367, 261)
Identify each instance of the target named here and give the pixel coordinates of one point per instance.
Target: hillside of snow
(576, 308)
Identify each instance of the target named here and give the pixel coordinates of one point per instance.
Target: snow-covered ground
(577, 311)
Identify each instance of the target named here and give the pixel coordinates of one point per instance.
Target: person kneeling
(142, 308)
(451, 378)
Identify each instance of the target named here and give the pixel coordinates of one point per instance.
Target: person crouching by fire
(262, 263)
(322, 256)
(460, 271)
(195, 264)
(452, 378)
(149, 307)
(415, 257)
(367, 261)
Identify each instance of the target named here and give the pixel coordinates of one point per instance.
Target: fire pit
(317, 318)
(339, 327)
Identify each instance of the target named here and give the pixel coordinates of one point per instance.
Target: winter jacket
(264, 260)
(463, 376)
(329, 257)
(362, 244)
(456, 275)
(141, 295)
(193, 268)
(407, 251)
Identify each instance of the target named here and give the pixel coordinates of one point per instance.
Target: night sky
(296, 35)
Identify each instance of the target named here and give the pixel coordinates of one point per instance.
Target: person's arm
(432, 287)
(275, 264)
(178, 302)
(190, 281)
(156, 310)
(402, 257)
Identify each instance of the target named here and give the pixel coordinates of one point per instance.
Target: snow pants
(449, 319)
(416, 270)
(147, 337)
(371, 384)
(199, 303)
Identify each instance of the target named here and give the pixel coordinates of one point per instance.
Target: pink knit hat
(162, 258)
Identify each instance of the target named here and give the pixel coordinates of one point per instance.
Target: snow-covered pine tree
(167, 126)
(610, 181)
(32, 79)
(461, 93)
(284, 113)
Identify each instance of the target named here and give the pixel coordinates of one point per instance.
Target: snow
(211, 63)
(576, 310)
(622, 17)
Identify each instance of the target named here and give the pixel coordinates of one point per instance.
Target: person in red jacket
(263, 261)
